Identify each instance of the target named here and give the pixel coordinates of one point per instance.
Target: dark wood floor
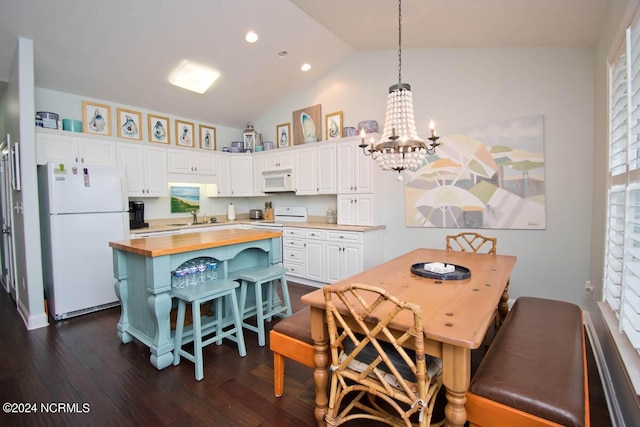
(81, 364)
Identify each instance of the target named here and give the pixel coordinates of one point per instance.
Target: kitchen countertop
(179, 243)
(169, 224)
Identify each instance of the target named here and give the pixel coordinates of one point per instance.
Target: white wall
(18, 118)
(462, 87)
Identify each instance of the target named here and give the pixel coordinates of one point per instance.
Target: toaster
(255, 214)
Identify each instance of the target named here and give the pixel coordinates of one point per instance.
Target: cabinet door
(333, 252)
(179, 161)
(130, 156)
(344, 158)
(315, 260)
(241, 175)
(326, 161)
(95, 152)
(352, 261)
(306, 182)
(156, 172)
(57, 149)
(363, 209)
(224, 174)
(363, 171)
(204, 164)
(346, 213)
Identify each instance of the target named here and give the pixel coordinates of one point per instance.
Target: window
(622, 255)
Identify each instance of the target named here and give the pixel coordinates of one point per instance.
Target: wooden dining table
(456, 315)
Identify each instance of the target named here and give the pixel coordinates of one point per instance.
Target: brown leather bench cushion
(297, 326)
(535, 363)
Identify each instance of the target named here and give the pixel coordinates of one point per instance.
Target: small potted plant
(331, 215)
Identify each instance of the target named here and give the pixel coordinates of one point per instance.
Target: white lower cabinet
(320, 256)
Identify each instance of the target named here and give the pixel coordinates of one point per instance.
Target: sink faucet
(195, 216)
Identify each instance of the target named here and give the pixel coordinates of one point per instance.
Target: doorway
(7, 246)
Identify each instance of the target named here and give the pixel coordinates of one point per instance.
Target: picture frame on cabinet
(184, 134)
(129, 124)
(333, 125)
(307, 125)
(207, 137)
(159, 129)
(96, 118)
(283, 135)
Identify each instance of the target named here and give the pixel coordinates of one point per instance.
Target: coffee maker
(136, 215)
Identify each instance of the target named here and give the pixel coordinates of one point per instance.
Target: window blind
(622, 255)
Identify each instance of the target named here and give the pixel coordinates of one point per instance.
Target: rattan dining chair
(386, 381)
(471, 242)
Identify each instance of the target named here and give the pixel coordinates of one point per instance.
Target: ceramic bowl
(369, 126)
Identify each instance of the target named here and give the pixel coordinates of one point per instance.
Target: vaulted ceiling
(124, 50)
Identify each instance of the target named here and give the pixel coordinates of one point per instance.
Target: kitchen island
(142, 269)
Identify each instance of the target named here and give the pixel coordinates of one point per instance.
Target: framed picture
(283, 135)
(307, 125)
(207, 137)
(96, 118)
(184, 133)
(185, 199)
(159, 129)
(333, 125)
(129, 123)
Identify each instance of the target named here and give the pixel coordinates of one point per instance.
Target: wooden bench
(535, 372)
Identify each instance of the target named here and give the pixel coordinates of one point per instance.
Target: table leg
(456, 372)
(320, 338)
(159, 307)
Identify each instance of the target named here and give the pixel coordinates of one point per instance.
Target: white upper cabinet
(315, 170)
(235, 175)
(74, 149)
(355, 170)
(146, 169)
(191, 162)
(276, 160)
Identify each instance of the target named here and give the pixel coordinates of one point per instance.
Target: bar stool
(199, 294)
(258, 277)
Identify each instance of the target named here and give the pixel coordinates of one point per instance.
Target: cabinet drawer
(294, 269)
(293, 255)
(314, 234)
(292, 232)
(344, 236)
(293, 243)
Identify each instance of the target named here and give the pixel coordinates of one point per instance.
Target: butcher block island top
(180, 243)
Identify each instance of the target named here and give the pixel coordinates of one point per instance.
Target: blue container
(72, 125)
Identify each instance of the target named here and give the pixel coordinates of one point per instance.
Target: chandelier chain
(399, 42)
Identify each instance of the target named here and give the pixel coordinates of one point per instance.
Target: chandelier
(400, 147)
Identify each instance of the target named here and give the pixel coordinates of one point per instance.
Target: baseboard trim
(605, 377)
(32, 322)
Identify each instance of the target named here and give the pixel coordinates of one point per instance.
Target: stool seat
(264, 310)
(195, 295)
(260, 273)
(291, 338)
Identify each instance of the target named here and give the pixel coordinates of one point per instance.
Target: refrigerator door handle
(125, 195)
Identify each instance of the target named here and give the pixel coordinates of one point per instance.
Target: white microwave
(280, 180)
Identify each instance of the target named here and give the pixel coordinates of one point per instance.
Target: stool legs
(261, 313)
(235, 333)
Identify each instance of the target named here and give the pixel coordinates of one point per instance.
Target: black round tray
(460, 273)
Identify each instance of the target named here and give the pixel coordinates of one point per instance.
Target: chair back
(472, 242)
(367, 356)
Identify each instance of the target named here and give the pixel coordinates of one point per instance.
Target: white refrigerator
(82, 209)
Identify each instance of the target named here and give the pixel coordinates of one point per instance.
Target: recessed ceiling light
(251, 37)
(283, 54)
(193, 77)
(305, 67)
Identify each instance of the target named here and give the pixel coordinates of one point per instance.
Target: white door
(315, 260)
(8, 243)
